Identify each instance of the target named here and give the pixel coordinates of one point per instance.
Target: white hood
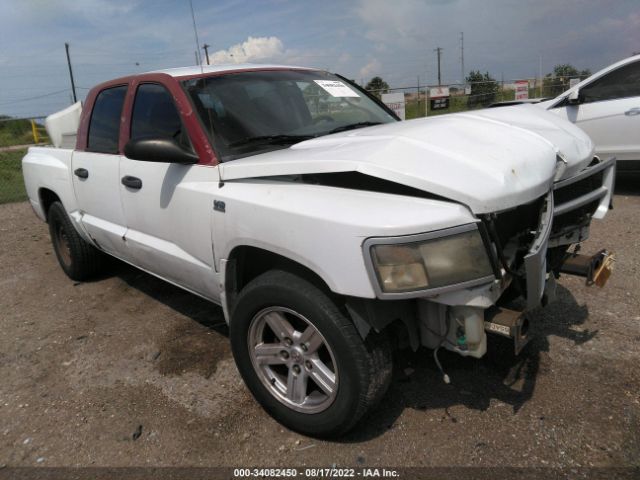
(489, 160)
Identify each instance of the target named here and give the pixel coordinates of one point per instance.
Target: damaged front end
(527, 247)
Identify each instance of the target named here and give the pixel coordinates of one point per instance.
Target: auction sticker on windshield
(336, 88)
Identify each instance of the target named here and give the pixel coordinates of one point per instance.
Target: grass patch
(19, 132)
(11, 180)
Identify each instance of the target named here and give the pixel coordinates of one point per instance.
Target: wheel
(302, 358)
(79, 259)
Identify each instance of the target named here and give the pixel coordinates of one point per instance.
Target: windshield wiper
(353, 126)
(272, 140)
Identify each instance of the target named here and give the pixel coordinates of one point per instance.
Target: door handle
(132, 182)
(633, 111)
(81, 173)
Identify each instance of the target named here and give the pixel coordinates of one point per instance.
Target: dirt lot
(128, 370)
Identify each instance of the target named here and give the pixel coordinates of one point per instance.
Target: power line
(57, 92)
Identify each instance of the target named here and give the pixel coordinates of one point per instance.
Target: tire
(79, 259)
(361, 369)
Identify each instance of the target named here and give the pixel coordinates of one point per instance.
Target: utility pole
(73, 84)
(462, 57)
(206, 52)
(438, 50)
(540, 74)
(418, 95)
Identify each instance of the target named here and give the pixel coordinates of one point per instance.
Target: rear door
(609, 112)
(168, 213)
(96, 178)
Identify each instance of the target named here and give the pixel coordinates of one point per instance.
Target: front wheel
(303, 359)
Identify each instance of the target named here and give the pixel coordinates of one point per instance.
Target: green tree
(555, 83)
(377, 86)
(483, 89)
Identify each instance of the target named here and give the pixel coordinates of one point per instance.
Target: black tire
(79, 259)
(363, 367)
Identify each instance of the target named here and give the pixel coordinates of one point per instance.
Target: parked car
(328, 235)
(606, 106)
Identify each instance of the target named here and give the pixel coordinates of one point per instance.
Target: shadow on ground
(417, 383)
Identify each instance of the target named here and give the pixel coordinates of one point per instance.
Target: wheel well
(246, 263)
(394, 318)
(47, 197)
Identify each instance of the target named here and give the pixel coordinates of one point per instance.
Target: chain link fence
(475, 95)
(16, 135)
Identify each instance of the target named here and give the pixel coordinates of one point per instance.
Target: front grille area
(513, 232)
(519, 221)
(573, 203)
(581, 216)
(578, 189)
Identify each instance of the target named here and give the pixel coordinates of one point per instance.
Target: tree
(483, 89)
(555, 83)
(377, 86)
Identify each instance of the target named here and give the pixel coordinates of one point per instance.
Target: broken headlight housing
(430, 262)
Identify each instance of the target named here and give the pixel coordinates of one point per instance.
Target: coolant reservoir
(475, 338)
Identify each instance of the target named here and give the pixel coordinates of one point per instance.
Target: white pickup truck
(328, 231)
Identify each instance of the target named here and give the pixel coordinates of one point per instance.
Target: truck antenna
(195, 32)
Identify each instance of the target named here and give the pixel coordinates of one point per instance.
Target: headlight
(443, 259)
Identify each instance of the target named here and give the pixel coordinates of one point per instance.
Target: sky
(511, 39)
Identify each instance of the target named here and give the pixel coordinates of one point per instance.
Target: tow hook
(508, 323)
(596, 269)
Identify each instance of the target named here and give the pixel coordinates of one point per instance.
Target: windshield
(252, 112)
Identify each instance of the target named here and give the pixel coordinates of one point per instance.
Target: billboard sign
(395, 101)
(522, 89)
(439, 98)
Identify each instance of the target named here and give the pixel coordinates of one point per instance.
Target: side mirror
(574, 98)
(159, 150)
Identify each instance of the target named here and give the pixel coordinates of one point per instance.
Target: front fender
(320, 227)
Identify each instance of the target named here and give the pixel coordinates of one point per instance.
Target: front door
(168, 208)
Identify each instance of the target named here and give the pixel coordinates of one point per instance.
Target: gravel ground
(130, 371)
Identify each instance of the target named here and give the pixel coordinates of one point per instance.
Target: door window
(104, 126)
(621, 83)
(156, 116)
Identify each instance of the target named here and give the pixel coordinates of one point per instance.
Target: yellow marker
(34, 129)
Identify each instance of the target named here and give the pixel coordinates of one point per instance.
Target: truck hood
(488, 160)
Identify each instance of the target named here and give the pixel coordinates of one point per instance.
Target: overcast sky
(359, 38)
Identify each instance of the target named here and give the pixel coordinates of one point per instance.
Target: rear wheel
(79, 259)
(303, 359)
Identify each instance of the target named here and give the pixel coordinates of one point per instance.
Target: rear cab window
(104, 126)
